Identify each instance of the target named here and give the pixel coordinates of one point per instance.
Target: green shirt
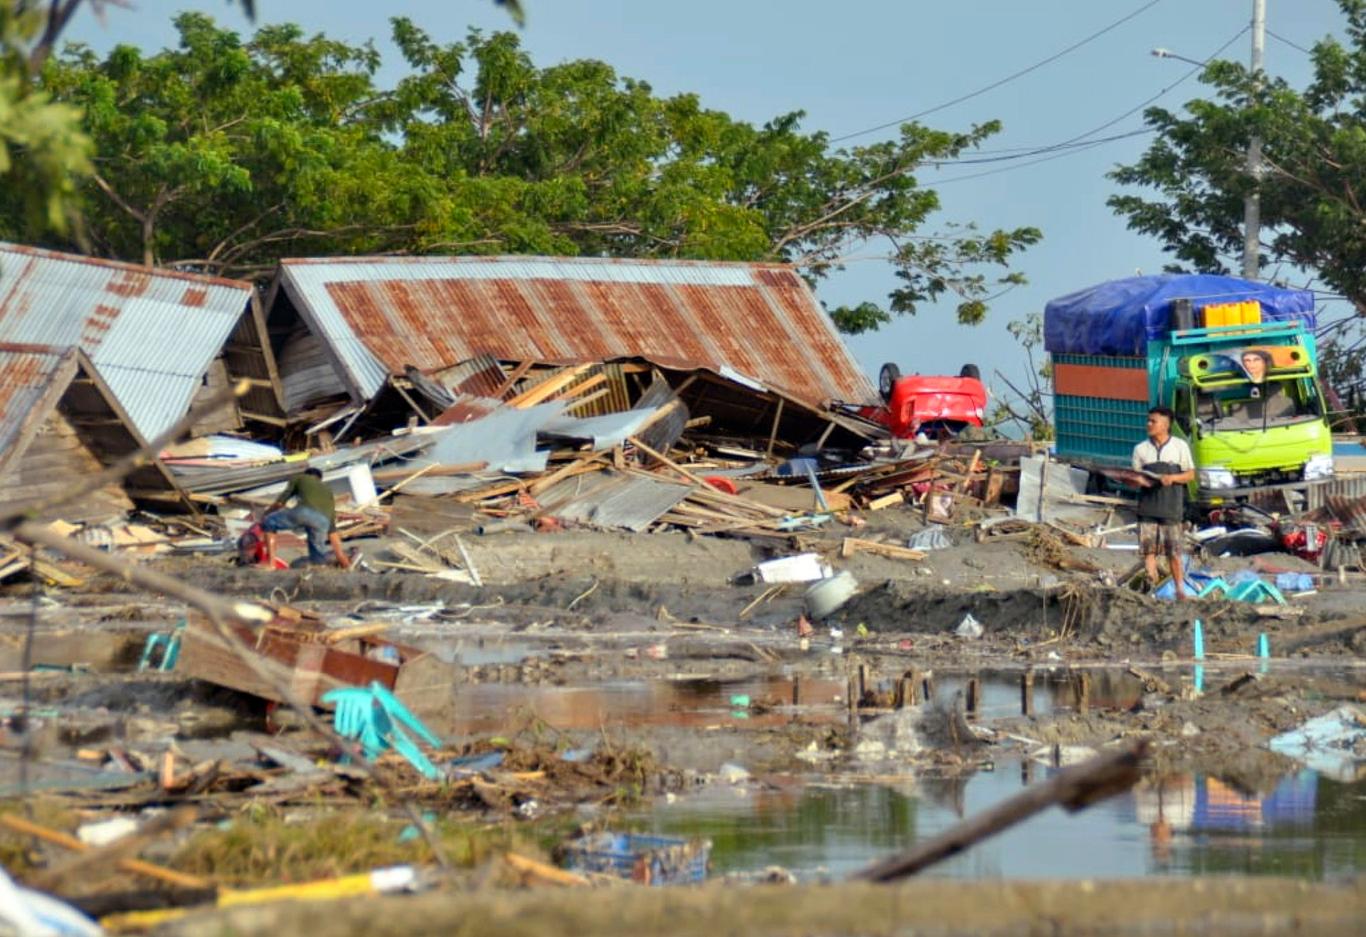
(312, 493)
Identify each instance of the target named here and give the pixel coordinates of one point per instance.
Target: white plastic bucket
(829, 595)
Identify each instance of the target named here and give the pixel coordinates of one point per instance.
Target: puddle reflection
(1308, 826)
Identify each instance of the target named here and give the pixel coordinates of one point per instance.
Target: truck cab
(1253, 414)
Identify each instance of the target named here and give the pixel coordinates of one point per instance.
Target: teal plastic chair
(169, 642)
(375, 717)
(1216, 584)
(1257, 590)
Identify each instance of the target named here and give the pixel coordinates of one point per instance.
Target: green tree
(1312, 189)
(42, 146)
(224, 154)
(220, 155)
(612, 168)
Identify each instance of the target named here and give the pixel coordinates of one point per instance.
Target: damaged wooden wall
(57, 458)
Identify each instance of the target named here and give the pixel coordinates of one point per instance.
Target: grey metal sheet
(505, 439)
(1344, 487)
(608, 499)
(151, 334)
(604, 431)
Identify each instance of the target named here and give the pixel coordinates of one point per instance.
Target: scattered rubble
(557, 554)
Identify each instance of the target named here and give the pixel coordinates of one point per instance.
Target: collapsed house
(60, 424)
(746, 345)
(162, 341)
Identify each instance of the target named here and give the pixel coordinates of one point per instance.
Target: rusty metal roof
(151, 334)
(759, 320)
(29, 376)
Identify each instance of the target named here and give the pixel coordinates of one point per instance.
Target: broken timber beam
(854, 545)
(547, 388)
(886, 501)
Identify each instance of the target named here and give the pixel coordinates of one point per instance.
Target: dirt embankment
(1230, 907)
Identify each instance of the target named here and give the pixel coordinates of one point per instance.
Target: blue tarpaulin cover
(1118, 317)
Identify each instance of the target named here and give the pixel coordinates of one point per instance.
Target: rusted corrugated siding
(26, 374)
(151, 334)
(382, 314)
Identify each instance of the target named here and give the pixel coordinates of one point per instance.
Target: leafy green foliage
(42, 145)
(225, 154)
(1314, 144)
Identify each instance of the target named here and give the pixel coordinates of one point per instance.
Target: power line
(1090, 145)
(1076, 143)
(1007, 79)
(1293, 45)
(1080, 142)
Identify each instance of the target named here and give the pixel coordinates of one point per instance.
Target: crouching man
(314, 513)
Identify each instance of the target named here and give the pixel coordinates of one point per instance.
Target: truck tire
(970, 370)
(886, 380)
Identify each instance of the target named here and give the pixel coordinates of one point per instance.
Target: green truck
(1235, 360)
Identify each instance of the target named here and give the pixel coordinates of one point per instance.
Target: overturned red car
(934, 405)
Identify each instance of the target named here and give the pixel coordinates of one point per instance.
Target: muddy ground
(589, 609)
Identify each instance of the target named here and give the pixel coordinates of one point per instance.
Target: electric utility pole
(1252, 202)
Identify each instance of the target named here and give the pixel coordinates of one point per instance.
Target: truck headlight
(1215, 478)
(1319, 466)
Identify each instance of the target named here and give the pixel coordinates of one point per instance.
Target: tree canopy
(1313, 186)
(225, 154)
(43, 148)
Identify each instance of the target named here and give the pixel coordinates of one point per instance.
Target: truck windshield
(1245, 405)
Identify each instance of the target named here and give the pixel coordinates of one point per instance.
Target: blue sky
(851, 66)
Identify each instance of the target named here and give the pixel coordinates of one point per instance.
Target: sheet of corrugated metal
(381, 314)
(151, 334)
(1342, 488)
(480, 376)
(25, 376)
(612, 500)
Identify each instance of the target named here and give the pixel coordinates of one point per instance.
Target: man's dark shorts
(1159, 538)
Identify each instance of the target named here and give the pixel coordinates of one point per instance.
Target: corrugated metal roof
(26, 377)
(759, 320)
(610, 499)
(151, 334)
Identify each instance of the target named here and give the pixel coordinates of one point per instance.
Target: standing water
(1309, 826)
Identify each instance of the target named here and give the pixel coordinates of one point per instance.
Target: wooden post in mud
(1073, 788)
(907, 689)
(796, 690)
(1027, 693)
(1082, 689)
(973, 698)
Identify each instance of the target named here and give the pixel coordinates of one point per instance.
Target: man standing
(315, 514)
(1168, 466)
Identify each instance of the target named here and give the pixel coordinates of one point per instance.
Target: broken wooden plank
(886, 501)
(54, 574)
(136, 866)
(852, 545)
(583, 462)
(547, 388)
